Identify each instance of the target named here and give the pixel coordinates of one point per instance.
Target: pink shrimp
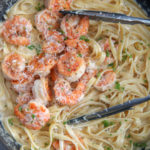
(106, 80)
(24, 98)
(56, 5)
(33, 114)
(17, 31)
(67, 145)
(13, 66)
(65, 96)
(75, 26)
(42, 90)
(54, 44)
(106, 47)
(24, 84)
(46, 20)
(71, 66)
(80, 46)
(41, 65)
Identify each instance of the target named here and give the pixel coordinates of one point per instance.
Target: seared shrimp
(33, 115)
(74, 26)
(23, 99)
(56, 5)
(55, 43)
(67, 145)
(80, 46)
(17, 31)
(106, 80)
(71, 66)
(41, 64)
(13, 66)
(106, 47)
(65, 96)
(42, 91)
(46, 20)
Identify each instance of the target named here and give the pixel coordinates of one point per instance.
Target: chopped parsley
(107, 53)
(33, 116)
(79, 55)
(62, 32)
(98, 74)
(129, 136)
(46, 144)
(31, 47)
(36, 47)
(84, 38)
(66, 38)
(10, 121)
(107, 148)
(131, 142)
(148, 45)
(118, 87)
(142, 145)
(39, 7)
(100, 38)
(69, 70)
(106, 123)
(65, 122)
(20, 108)
(145, 81)
(112, 65)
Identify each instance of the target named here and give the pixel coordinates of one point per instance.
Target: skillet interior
(6, 141)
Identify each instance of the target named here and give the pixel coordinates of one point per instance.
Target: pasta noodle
(130, 49)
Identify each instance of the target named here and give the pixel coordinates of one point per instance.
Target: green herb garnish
(106, 123)
(33, 116)
(66, 38)
(39, 7)
(79, 55)
(10, 121)
(142, 145)
(20, 108)
(84, 38)
(98, 74)
(65, 122)
(107, 53)
(31, 47)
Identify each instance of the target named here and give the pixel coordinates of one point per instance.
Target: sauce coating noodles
(129, 48)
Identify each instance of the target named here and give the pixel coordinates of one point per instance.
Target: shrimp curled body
(65, 96)
(33, 115)
(71, 66)
(17, 31)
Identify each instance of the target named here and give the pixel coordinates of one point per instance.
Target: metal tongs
(115, 18)
(108, 17)
(108, 111)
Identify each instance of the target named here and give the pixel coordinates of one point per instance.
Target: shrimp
(23, 85)
(56, 5)
(71, 66)
(106, 47)
(42, 90)
(17, 31)
(75, 26)
(46, 20)
(54, 44)
(33, 114)
(67, 145)
(41, 64)
(65, 96)
(24, 98)
(106, 80)
(80, 46)
(13, 66)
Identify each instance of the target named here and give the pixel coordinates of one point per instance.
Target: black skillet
(6, 141)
